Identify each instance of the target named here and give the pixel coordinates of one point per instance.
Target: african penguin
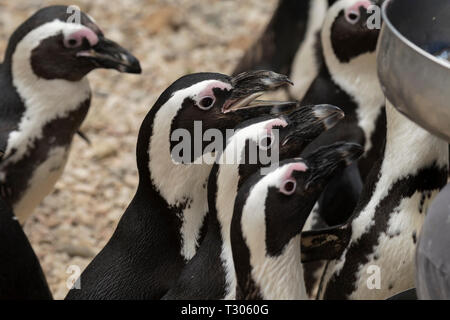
(210, 273)
(269, 213)
(161, 228)
(379, 259)
(347, 78)
(45, 97)
(21, 275)
(288, 41)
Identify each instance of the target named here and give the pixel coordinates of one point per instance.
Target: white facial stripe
(278, 277)
(208, 91)
(177, 182)
(358, 77)
(305, 65)
(227, 186)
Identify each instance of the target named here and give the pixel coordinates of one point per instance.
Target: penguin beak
(248, 86)
(109, 55)
(326, 161)
(308, 122)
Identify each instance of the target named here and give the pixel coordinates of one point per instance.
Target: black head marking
(350, 40)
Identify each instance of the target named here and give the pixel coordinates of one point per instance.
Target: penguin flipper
(324, 244)
(21, 275)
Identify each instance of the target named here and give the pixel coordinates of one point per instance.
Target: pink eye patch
(208, 91)
(275, 123)
(289, 184)
(76, 39)
(298, 166)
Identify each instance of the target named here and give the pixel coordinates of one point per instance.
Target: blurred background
(171, 38)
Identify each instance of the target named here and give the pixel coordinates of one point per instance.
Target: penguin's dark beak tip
(351, 152)
(329, 115)
(110, 55)
(248, 86)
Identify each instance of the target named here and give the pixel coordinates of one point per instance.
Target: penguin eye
(72, 43)
(352, 17)
(266, 142)
(288, 187)
(206, 103)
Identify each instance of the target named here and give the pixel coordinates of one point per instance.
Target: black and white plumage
(161, 229)
(45, 97)
(347, 77)
(390, 214)
(210, 273)
(21, 275)
(269, 213)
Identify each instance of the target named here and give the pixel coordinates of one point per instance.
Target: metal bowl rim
(408, 42)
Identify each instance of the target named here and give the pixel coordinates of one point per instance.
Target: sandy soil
(171, 38)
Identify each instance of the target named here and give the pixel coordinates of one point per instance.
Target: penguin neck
(43, 100)
(358, 78)
(227, 187)
(404, 139)
(182, 186)
(274, 277)
(280, 277)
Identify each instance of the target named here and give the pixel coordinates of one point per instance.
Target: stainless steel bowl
(412, 78)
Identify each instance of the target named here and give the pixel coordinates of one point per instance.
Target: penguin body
(389, 215)
(45, 98)
(21, 275)
(213, 260)
(269, 214)
(161, 228)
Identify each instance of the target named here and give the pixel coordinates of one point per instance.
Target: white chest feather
(305, 65)
(409, 149)
(394, 254)
(41, 183)
(228, 178)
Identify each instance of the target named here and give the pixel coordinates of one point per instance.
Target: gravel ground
(171, 38)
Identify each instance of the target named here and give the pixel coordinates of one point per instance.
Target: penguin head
(288, 135)
(60, 43)
(272, 209)
(200, 104)
(345, 33)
